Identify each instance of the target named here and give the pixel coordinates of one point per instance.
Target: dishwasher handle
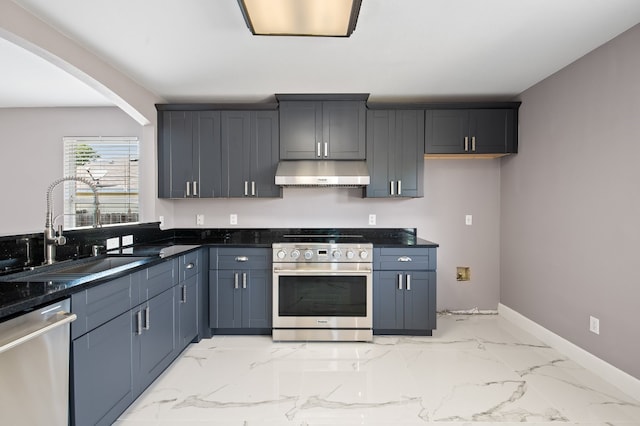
(23, 336)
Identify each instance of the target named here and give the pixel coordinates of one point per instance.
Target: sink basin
(77, 269)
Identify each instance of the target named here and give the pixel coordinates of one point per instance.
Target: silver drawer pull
(409, 282)
(399, 281)
(190, 265)
(404, 259)
(147, 319)
(242, 258)
(184, 294)
(235, 280)
(139, 323)
(244, 280)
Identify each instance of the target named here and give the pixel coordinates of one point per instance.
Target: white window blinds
(112, 164)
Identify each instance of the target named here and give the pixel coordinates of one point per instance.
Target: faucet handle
(95, 250)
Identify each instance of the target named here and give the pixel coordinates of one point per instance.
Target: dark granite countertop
(19, 296)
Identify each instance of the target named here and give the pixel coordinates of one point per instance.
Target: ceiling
(202, 51)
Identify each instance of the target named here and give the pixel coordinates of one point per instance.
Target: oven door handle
(317, 272)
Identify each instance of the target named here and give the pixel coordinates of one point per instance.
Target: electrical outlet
(468, 220)
(594, 325)
(199, 219)
(372, 219)
(233, 219)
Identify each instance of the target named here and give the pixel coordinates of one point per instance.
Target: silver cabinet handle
(244, 280)
(318, 154)
(139, 323)
(188, 189)
(326, 149)
(466, 143)
(392, 188)
(399, 281)
(29, 334)
(473, 143)
(147, 319)
(195, 188)
(184, 294)
(235, 280)
(190, 265)
(399, 187)
(242, 258)
(408, 282)
(246, 188)
(253, 188)
(404, 259)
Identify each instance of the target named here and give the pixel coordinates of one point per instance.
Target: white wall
(32, 157)
(571, 204)
(453, 188)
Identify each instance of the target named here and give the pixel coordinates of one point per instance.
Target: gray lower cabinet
(127, 332)
(395, 153)
(404, 300)
(240, 289)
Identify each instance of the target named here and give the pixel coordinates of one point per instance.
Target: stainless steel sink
(77, 269)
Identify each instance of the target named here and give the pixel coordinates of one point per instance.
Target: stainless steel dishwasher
(34, 367)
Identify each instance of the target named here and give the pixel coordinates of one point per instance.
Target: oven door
(322, 296)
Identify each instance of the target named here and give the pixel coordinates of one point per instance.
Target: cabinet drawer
(156, 279)
(189, 265)
(97, 305)
(243, 258)
(405, 259)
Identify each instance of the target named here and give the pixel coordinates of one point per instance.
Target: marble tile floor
(475, 370)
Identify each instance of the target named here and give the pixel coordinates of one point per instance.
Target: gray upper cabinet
(322, 127)
(250, 150)
(480, 131)
(395, 145)
(189, 154)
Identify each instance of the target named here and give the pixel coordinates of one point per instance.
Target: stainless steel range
(322, 291)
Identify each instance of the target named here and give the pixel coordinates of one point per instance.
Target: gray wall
(570, 204)
(31, 146)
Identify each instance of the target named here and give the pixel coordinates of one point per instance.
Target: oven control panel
(321, 253)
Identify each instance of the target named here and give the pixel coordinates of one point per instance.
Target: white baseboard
(623, 381)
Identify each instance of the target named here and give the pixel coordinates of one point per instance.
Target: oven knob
(350, 254)
(364, 254)
(295, 254)
(336, 254)
(281, 254)
(308, 254)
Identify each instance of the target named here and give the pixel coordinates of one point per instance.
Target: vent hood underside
(347, 174)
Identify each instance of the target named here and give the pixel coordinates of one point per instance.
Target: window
(111, 163)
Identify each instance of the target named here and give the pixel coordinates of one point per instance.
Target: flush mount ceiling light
(324, 18)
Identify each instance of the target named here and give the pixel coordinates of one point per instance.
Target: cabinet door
(409, 157)
(236, 147)
(446, 130)
(256, 299)
(226, 300)
(265, 150)
(492, 130)
(156, 344)
(419, 300)
(300, 130)
(380, 151)
(188, 302)
(388, 301)
(343, 130)
(102, 376)
(176, 153)
(208, 155)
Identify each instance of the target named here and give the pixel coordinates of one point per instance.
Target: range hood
(347, 174)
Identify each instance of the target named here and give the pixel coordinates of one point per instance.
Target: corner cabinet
(483, 131)
(128, 331)
(395, 145)
(217, 150)
(240, 290)
(404, 291)
(322, 127)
